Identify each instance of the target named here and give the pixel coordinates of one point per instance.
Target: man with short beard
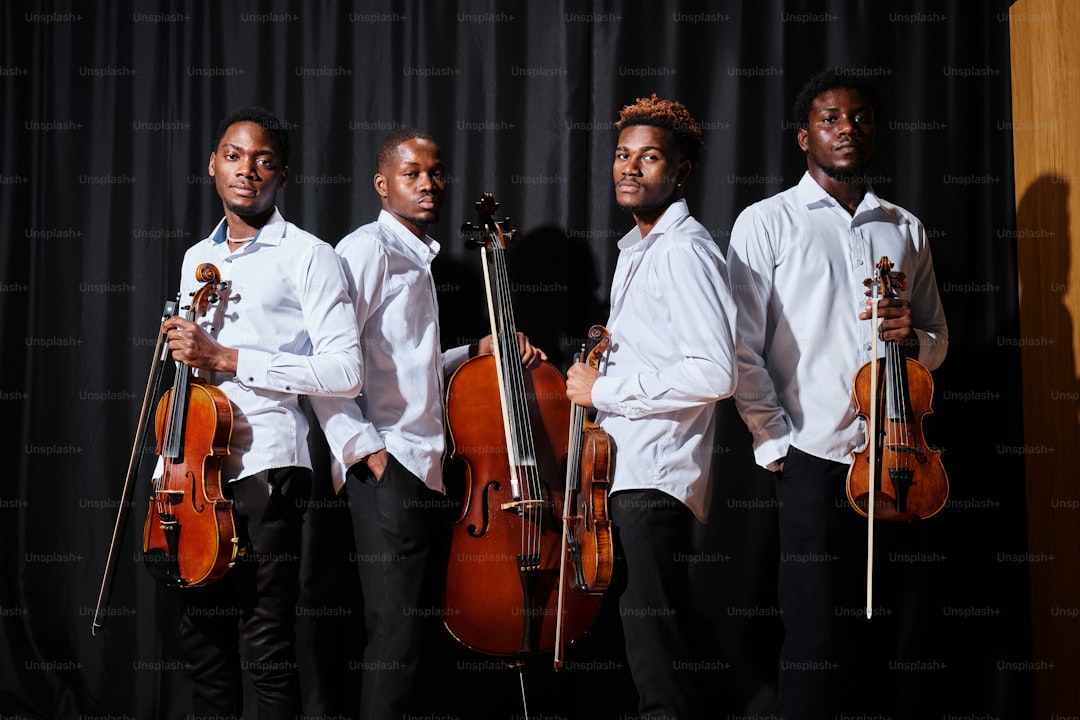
(800, 259)
(672, 357)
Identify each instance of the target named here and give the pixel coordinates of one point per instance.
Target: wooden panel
(1046, 128)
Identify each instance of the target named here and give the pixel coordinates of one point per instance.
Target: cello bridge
(523, 505)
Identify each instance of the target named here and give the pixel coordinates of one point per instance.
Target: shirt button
(867, 347)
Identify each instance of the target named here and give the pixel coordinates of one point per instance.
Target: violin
(896, 473)
(509, 426)
(189, 538)
(587, 543)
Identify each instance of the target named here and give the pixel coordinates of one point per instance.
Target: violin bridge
(170, 497)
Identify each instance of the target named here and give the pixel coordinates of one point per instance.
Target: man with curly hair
(672, 323)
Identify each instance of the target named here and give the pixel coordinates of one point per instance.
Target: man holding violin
(283, 325)
(800, 259)
(672, 332)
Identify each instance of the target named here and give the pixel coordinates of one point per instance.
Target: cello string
(537, 509)
(511, 365)
(514, 366)
(511, 409)
(489, 259)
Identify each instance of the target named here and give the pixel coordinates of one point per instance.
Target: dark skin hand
(580, 379)
(530, 357)
(896, 324)
(194, 347)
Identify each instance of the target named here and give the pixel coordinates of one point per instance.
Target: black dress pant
(653, 532)
(834, 660)
(400, 527)
(244, 622)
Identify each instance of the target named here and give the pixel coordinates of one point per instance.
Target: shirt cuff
(454, 358)
(603, 395)
(770, 453)
(360, 446)
(252, 367)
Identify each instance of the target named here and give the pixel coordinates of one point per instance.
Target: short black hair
(389, 144)
(830, 79)
(264, 119)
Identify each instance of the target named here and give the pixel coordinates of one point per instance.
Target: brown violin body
(907, 476)
(590, 464)
(189, 538)
(509, 426)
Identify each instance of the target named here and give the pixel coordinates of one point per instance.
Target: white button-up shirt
(287, 312)
(401, 403)
(798, 262)
(672, 357)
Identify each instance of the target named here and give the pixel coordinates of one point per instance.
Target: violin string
(901, 426)
(890, 415)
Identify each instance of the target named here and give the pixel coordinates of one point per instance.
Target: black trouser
(653, 532)
(834, 659)
(254, 603)
(399, 526)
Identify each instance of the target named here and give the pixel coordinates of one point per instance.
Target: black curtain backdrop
(109, 114)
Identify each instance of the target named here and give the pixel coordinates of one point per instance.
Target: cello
(509, 426)
(587, 540)
(896, 473)
(189, 538)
